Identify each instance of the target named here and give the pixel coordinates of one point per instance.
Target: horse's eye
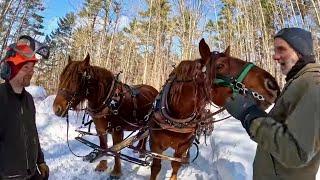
(220, 66)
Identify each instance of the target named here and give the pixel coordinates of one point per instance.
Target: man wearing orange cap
(21, 156)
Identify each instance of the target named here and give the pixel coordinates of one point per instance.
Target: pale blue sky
(56, 9)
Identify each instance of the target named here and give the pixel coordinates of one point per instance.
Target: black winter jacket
(19, 143)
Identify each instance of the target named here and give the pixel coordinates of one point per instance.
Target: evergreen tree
(60, 41)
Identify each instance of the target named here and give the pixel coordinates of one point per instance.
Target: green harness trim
(230, 81)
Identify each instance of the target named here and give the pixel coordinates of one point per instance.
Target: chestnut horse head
(75, 85)
(234, 75)
(72, 86)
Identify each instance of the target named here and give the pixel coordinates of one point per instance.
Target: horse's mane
(70, 74)
(100, 78)
(188, 72)
(101, 72)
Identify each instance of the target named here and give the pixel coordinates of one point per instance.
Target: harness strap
(164, 107)
(134, 92)
(244, 72)
(110, 91)
(135, 107)
(106, 100)
(228, 81)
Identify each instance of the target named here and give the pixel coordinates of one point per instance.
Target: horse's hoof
(102, 166)
(173, 177)
(115, 174)
(142, 155)
(92, 156)
(111, 177)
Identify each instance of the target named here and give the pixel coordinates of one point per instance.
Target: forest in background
(147, 39)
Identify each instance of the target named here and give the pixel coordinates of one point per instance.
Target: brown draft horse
(179, 108)
(115, 106)
(233, 73)
(185, 95)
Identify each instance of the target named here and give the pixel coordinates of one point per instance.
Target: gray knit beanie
(299, 39)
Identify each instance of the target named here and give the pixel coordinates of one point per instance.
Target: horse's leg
(156, 147)
(101, 127)
(117, 137)
(141, 147)
(181, 151)
(187, 155)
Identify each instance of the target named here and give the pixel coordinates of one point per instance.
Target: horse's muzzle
(59, 111)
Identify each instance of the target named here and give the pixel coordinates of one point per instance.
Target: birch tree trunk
(145, 71)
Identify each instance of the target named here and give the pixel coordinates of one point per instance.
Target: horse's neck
(103, 83)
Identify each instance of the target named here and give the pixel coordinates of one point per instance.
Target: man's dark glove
(44, 170)
(245, 109)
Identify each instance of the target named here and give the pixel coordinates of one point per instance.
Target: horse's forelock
(186, 71)
(70, 76)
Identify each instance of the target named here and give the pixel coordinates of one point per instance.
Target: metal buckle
(239, 85)
(118, 128)
(258, 96)
(243, 91)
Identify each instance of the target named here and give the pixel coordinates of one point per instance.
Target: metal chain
(243, 90)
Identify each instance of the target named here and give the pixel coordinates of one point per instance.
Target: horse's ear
(69, 59)
(204, 52)
(227, 51)
(86, 60)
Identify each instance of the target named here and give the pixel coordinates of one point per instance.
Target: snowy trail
(228, 155)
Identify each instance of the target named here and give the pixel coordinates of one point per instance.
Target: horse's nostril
(57, 110)
(272, 85)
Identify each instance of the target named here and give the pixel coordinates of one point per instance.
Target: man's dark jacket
(19, 143)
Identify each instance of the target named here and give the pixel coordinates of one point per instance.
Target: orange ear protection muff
(13, 50)
(5, 69)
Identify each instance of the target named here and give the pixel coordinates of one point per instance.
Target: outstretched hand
(238, 105)
(244, 108)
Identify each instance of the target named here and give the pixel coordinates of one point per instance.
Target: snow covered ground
(228, 155)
